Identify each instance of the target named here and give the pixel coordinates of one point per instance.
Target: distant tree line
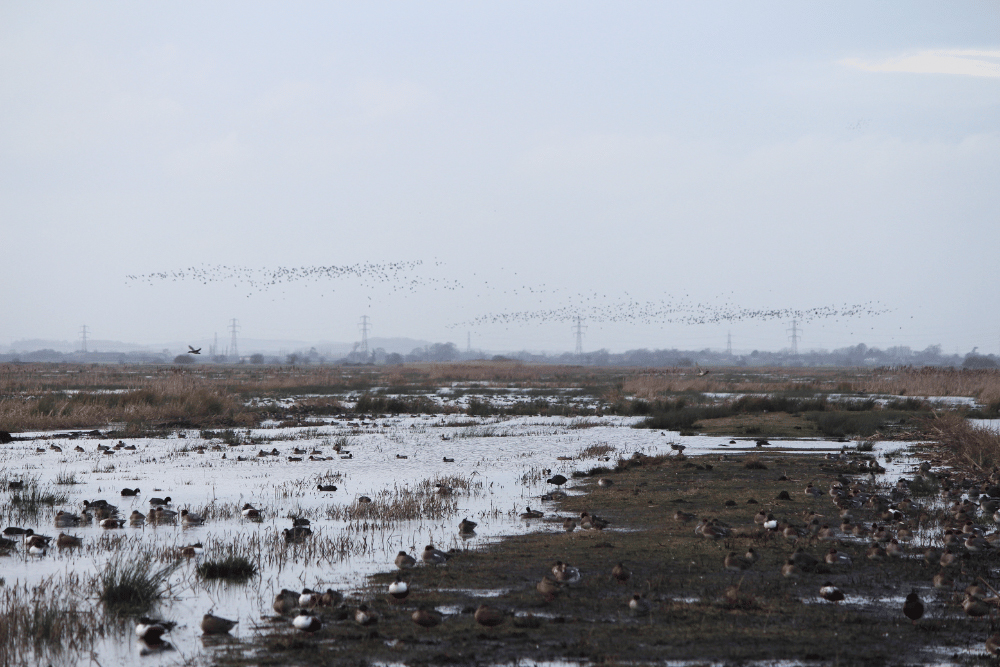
(853, 356)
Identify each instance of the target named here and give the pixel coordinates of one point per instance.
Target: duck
(529, 513)
(330, 598)
(943, 582)
(447, 460)
(565, 574)
(111, 524)
(549, 588)
(558, 480)
(975, 607)
(638, 605)
(790, 570)
(326, 487)
(250, 512)
(443, 490)
(569, 524)
(834, 557)
(684, 517)
(64, 541)
(489, 617)
(993, 645)
(136, 518)
(296, 534)
(735, 562)
(399, 589)
(467, 527)
(216, 625)
(404, 561)
(33, 539)
(306, 622)
(364, 616)
(285, 601)
(432, 556)
(620, 573)
(605, 482)
(159, 501)
(130, 492)
(151, 630)
(191, 550)
(308, 598)
(162, 515)
(364, 499)
(830, 592)
(66, 520)
(191, 519)
(913, 607)
(426, 618)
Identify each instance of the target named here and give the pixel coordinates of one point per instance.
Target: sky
(672, 173)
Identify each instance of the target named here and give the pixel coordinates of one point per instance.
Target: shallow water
(499, 469)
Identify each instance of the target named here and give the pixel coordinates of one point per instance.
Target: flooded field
(370, 477)
(495, 469)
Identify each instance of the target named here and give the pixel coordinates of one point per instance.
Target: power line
(729, 342)
(83, 338)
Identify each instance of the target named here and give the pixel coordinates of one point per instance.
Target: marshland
(413, 450)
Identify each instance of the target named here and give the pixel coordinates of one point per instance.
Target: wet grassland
(692, 607)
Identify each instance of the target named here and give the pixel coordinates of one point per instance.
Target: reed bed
(972, 444)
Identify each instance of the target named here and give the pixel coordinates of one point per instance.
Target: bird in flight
(191, 350)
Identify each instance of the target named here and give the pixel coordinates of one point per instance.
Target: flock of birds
(406, 277)
(893, 520)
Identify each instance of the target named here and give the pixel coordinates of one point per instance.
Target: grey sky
(768, 155)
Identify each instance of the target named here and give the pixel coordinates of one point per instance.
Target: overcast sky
(655, 167)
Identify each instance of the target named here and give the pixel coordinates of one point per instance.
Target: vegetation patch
(231, 568)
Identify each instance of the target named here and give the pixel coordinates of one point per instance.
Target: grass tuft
(231, 568)
(131, 585)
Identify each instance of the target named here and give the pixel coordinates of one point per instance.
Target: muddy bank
(697, 609)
